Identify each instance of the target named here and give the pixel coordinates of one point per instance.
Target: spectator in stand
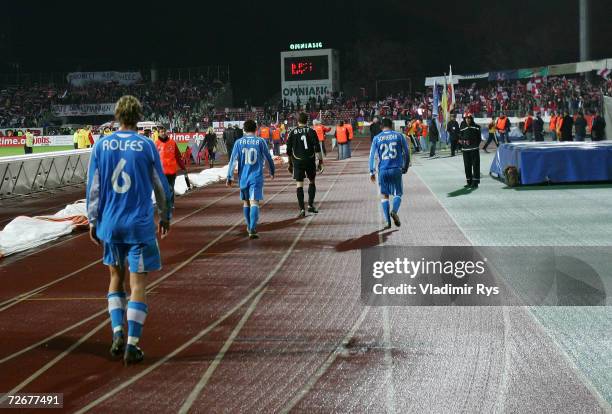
(374, 128)
(502, 125)
(538, 128)
(528, 127)
(210, 144)
(580, 126)
(566, 127)
(453, 133)
(434, 136)
(598, 128)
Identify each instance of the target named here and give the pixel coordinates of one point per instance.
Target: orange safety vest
(559, 124)
(320, 130)
(528, 122)
(553, 122)
(349, 129)
(276, 134)
(501, 123)
(341, 134)
(264, 132)
(167, 153)
(424, 129)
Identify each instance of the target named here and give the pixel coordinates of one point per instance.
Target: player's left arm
(372, 162)
(406, 152)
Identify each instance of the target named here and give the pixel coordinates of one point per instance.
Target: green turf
(7, 151)
(551, 215)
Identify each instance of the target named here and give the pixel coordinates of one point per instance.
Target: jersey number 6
(127, 181)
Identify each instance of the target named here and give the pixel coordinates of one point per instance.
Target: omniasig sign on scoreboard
(307, 73)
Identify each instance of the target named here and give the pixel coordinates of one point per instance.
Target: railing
(27, 174)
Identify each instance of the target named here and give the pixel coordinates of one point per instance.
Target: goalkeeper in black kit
(303, 148)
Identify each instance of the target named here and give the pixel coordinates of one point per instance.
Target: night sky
(392, 38)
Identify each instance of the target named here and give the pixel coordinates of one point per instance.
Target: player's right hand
(373, 178)
(163, 228)
(228, 183)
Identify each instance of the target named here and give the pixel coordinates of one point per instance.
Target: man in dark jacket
(580, 126)
(566, 127)
(434, 136)
(239, 132)
(598, 129)
(229, 137)
(374, 128)
(470, 141)
(453, 134)
(538, 128)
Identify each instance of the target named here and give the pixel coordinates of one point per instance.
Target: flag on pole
(451, 88)
(604, 73)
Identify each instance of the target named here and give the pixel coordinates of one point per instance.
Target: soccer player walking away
(302, 146)
(250, 152)
(391, 149)
(470, 140)
(123, 171)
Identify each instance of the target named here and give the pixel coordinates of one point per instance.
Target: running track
(276, 325)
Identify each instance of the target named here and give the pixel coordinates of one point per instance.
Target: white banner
(43, 141)
(84, 109)
(83, 78)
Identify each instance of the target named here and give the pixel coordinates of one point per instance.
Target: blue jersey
(124, 170)
(250, 152)
(392, 151)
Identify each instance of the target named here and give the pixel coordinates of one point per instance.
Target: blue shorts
(141, 258)
(390, 181)
(253, 191)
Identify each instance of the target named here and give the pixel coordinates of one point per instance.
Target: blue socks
(136, 315)
(385, 209)
(116, 308)
(246, 210)
(254, 217)
(397, 200)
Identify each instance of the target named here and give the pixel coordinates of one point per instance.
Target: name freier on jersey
(303, 147)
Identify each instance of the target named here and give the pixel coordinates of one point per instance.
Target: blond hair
(128, 111)
(210, 130)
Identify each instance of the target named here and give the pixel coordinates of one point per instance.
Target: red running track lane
(276, 324)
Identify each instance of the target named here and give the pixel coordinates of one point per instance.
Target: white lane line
(20, 298)
(219, 357)
(51, 363)
(325, 366)
(213, 325)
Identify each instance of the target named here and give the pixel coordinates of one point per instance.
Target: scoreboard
(307, 73)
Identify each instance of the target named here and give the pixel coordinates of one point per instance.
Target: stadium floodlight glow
(310, 45)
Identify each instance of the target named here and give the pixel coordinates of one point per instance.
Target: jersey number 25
(389, 152)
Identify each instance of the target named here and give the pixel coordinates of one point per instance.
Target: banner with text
(39, 141)
(123, 78)
(84, 109)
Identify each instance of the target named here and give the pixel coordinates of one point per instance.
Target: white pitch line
(23, 296)
(213, 325)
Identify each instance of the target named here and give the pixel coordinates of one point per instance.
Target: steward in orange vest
(321, 130)
(341, 135)
(171, 159)
(276, 141)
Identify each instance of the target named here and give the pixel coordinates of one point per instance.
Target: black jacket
(229, 136)
(453, 130)
(210, 140)
(598, 130)
(374, 129)
(580, 125)
(434, 135)
(538, 126)
(566, 128)
(470, 136)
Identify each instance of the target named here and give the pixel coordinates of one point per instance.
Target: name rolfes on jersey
(121, 145)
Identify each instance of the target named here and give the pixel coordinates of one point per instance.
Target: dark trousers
(538, 137)
(491, 138)
(27, 150)
(323, 147)
(454, 146)
(171, 180)
(471, 162)
(76, 146)
(276, 147)
(432, 148)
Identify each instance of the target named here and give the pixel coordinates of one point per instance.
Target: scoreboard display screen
(306, 68)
